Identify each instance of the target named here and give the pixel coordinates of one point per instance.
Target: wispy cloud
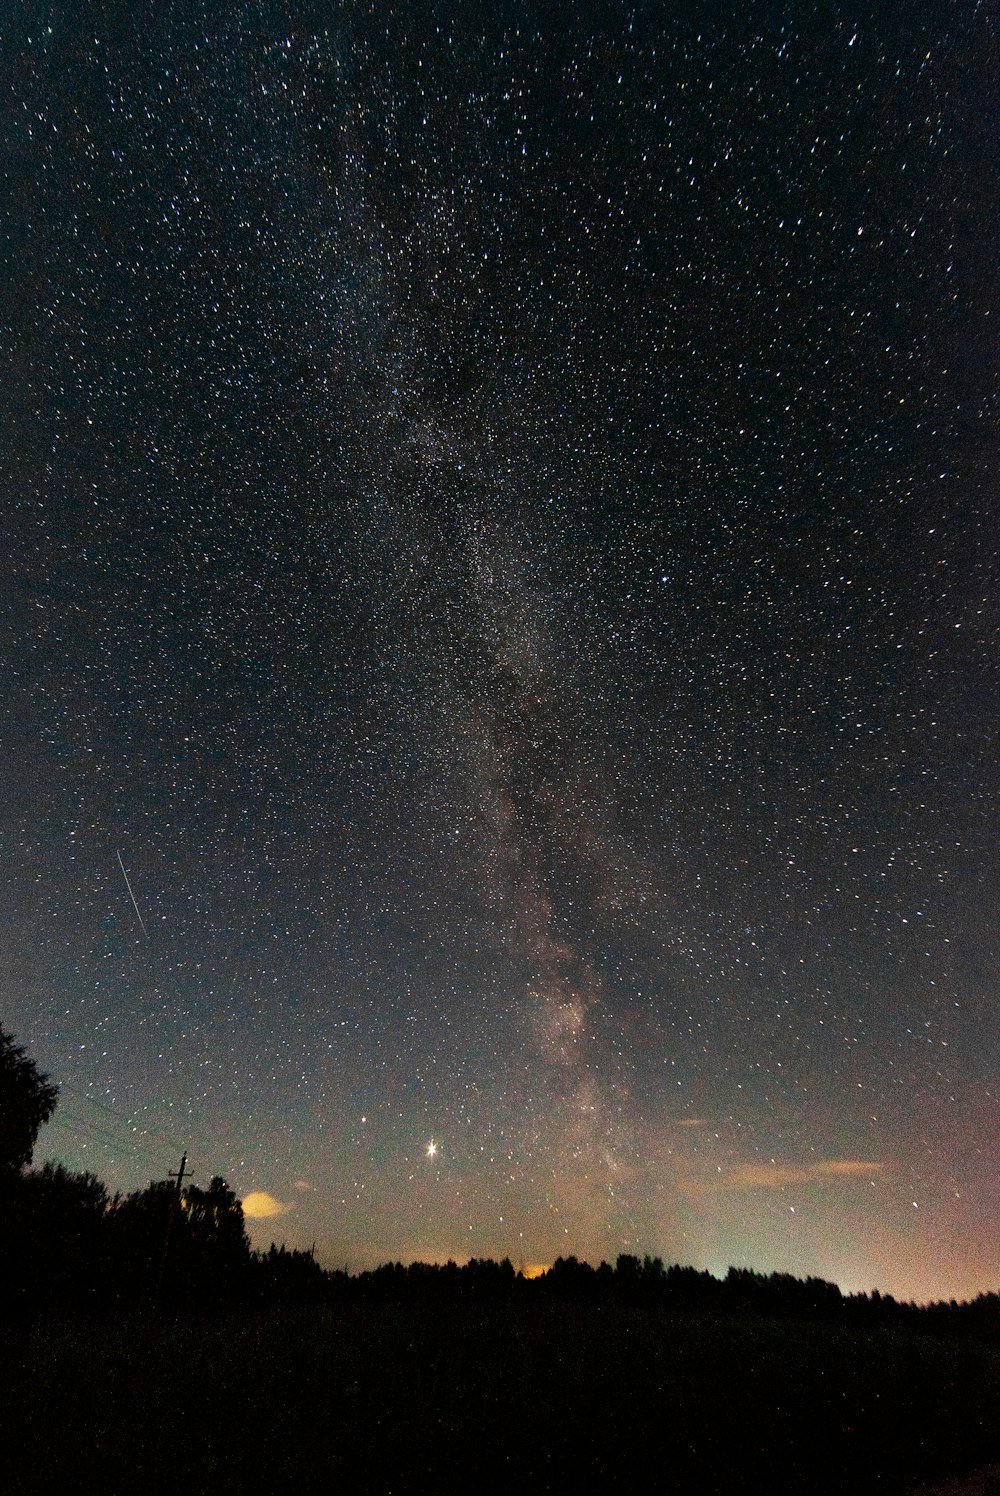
(258, 1205)
(774, 1176)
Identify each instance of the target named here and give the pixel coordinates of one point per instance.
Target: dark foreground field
(512, 1397)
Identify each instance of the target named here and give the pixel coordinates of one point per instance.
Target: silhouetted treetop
(27, 1099)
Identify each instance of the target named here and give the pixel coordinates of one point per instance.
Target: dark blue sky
(502, 546)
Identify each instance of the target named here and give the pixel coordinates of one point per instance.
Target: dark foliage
(127, 1317)
(283, 1276)
(27, 1099)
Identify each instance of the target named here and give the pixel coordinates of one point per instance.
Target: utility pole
(182, 1173)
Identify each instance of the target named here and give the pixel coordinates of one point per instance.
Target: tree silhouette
(214, 1243)
(57, 1221)
(138, 1226)
(27, 1099)
(216, 1216)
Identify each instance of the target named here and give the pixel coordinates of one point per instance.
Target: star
(459, 633)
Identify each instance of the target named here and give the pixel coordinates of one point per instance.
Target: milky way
(502, 548)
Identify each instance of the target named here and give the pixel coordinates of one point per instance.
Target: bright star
(432, 1149)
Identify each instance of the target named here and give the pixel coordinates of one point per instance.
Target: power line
(140, 1142)
(64, 1085)
(103, 1133)
(129, 1119)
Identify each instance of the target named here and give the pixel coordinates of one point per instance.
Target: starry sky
(499, 670)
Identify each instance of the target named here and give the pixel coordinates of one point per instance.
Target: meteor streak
(131, 895)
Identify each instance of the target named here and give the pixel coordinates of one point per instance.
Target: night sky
(499, 605)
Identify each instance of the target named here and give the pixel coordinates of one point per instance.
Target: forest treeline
(646, 1282)
(80, 1247)
(145, 1346)
(66, 1242)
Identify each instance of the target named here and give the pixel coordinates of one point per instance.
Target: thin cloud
(259, 1205)
(775, 1176)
